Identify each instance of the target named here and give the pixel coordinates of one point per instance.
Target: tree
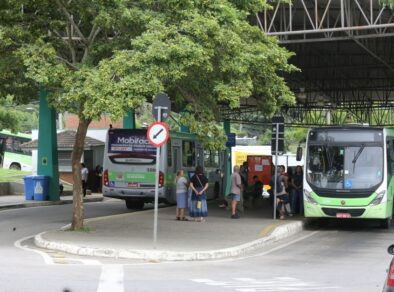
(112, 55)
(389, 3)
(9, 118)
(293, 137)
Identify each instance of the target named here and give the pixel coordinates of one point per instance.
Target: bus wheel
(15, 166)
(385, 223)
(135, 204)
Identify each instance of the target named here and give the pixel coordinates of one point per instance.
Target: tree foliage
(112, 55)
(9, 117)
(293, 137)
(389, 3)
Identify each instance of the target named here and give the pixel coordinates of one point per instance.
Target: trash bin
(40, 187)
(28, 187)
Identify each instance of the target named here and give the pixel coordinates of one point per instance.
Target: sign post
(277, 143)
(158, 135)
(163, 101)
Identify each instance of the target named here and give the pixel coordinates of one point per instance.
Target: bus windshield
(341, 167)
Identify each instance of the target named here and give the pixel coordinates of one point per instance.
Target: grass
(10, 175)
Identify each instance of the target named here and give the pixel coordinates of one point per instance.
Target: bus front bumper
(124, 193)
(380, 211)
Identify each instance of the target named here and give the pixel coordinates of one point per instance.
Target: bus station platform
(130, 235)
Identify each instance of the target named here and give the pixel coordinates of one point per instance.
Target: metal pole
(156, 187)
(276, 167)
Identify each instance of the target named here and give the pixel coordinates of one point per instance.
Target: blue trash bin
(40, 187)
(28, 187)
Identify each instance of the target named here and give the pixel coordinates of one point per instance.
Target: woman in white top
(181, 195)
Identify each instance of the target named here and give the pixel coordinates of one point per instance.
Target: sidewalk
(130, 235)
(15, 202)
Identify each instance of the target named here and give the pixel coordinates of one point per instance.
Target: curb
(280, 232)
(46, 203)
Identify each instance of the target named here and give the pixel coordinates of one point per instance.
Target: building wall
(66, 176)
(71, 122)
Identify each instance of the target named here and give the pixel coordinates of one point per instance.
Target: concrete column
(227, 162)
(47, 161)
(129, 120)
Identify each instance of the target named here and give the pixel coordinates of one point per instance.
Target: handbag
(198, 206)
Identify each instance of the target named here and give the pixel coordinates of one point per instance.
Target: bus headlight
(309, 198)
(379, 198)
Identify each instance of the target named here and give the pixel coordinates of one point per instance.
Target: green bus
(349, 173)
(11, 154)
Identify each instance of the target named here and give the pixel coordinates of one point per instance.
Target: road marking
(111, 279)
(47, 259)
(285, 244)
(52, 260)
(268, 229)
(270, 284)
(268, 251)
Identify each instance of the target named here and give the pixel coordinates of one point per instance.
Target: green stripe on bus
(343, 202)
(141, 177)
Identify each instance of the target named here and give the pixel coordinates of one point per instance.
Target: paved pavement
(130, 235)
(15, 201)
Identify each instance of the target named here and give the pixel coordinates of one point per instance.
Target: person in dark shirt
(199, 184)
(254, 191)
(298, 190)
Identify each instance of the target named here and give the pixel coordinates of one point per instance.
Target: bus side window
(8, 144)
(169, 154)
(2, 144)
(188, 153)
(211, 158)
(390, 156)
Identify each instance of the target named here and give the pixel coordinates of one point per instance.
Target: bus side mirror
(390, 249)
(299, 154)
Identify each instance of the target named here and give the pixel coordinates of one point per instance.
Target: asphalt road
(340, 257)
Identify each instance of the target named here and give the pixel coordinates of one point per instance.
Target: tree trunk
(78, 216)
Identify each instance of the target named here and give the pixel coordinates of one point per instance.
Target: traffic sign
(158, 134)
(163, 102)
(278, 126)
(231, 141)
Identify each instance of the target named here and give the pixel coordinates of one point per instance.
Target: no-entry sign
(158, 134)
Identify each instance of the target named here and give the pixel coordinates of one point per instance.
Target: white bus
(11, 154)
(130, 165)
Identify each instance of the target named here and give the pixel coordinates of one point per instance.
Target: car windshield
(345, 167)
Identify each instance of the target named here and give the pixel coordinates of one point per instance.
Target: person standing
(282, 197)
(298, 190)
(181, 195)
(98, 174)
(198, 208)
(84, 178)
(235, 191)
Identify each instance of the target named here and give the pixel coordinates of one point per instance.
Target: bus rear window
(132, 159)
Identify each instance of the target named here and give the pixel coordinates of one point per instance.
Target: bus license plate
(344, 215)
